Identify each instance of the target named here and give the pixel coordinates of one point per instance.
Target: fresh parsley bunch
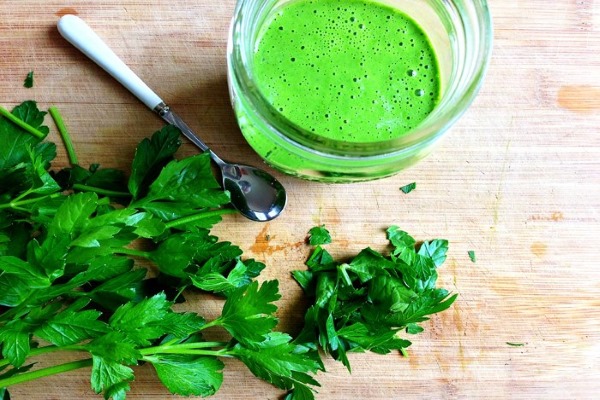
(68, 280)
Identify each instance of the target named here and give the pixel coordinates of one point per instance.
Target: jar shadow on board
(328, 90)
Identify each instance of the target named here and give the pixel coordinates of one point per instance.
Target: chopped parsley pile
(76, 245)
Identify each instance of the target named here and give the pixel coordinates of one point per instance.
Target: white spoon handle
(80, 35)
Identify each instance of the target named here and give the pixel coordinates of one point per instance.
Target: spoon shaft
(80, 35)
(170, 117)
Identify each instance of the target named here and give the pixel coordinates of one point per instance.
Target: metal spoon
(254, 193)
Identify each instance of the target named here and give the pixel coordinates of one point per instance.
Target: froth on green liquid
(351, 70)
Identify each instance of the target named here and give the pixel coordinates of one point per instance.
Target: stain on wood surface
(579, 99)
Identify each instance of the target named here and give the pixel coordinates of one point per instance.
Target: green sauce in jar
(349, 70)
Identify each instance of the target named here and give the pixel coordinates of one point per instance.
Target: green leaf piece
(16, 142)
(28, 83)
(18, 279)
(15, 346)
(144, 321)
(71, 327)
(280, 362)
(189, 376)
(406, 189)
(318, 236)
(472, 256)
(436, 250)
(248, 312)
(151, 156)
(114, 346)
(111, 377)
(182, 188)
(73, 214)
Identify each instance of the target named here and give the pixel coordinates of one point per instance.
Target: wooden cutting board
(517, 181)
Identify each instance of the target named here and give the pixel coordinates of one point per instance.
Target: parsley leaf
(118, 290)
(182, 188)
(142, 322)
(18, 279)
(115, 346)
(281, 362)
(110, 376)
(248, 312)
(472, 256)
(15, 345)
(380, 340)
(150, 157)
(71, 327)
(435, 250)
(216, 282)
(198, 258)
(319, 235)
(28, 83)
(189, 376)
(152, 318)
(16, 142)
(409, 188)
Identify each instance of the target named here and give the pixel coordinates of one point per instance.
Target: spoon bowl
(254, 193)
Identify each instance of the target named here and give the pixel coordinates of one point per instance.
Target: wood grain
(517, 181)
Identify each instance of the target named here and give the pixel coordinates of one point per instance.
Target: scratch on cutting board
(501, 184)
(126, 11)
(460, 327)
(556, 216)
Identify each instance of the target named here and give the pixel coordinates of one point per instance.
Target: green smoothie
(351, 70)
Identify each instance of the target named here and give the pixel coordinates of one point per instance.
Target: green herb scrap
(28, 83)
(409, 188)
(363, 304)
(472, 256)
(319, 235)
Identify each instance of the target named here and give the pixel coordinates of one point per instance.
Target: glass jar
(460, 32)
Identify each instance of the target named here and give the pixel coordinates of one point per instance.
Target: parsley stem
(20, 123)
(180, 347)
(180, 291)
(40, 373)
(17, 204)
(134, 252)
(214, 353)
(64, 134)
(199, 216)
(212, 323)
(344, 273)
(105, 192)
